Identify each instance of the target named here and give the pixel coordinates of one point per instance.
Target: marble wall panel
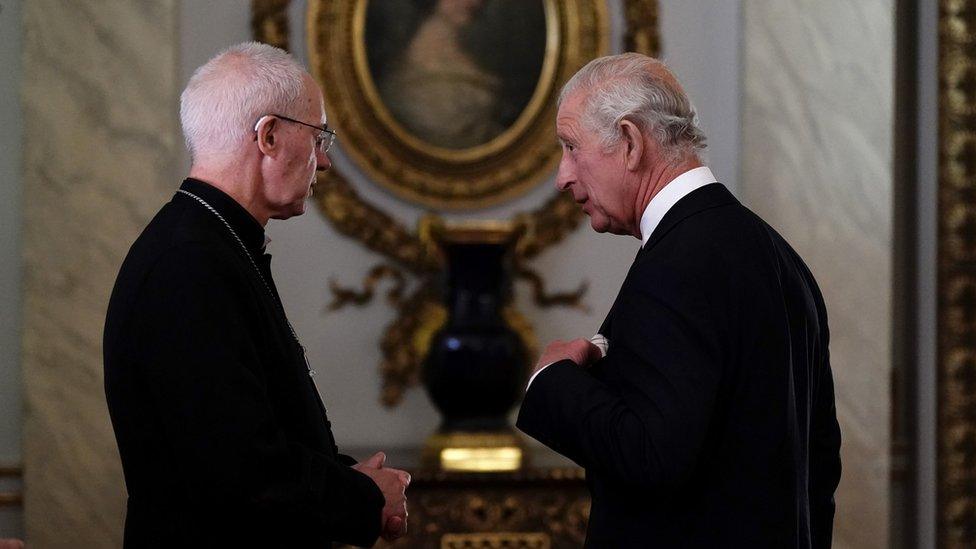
(100, 147)
(817, 165)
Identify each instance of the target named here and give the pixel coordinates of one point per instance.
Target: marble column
(817, 165)
(101, 142)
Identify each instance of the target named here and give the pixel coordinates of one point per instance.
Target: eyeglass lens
(324, 141)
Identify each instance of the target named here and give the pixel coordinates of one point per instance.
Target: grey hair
(630, 86)
(228, 94)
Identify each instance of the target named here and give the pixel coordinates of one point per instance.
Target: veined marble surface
(101, 140)
(817, 165)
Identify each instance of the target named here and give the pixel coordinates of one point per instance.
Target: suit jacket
(711, 421)
(223, 438)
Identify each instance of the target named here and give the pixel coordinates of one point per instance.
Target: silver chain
(257, 270)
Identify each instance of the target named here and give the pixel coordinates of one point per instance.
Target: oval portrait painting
(455, 74)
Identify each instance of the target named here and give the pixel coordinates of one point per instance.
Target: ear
(266, 131)
(633, 141)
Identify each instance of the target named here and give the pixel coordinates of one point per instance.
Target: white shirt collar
(668, 196)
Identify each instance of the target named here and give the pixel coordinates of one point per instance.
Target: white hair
(635, 87)
(228, 94)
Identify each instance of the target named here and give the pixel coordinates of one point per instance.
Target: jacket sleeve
(649, 433)
(825, 466)
(205, 383)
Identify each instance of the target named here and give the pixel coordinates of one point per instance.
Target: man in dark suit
(223, 437)
(703, 411)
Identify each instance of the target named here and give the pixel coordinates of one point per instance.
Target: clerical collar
(678, 188)
(244, 224)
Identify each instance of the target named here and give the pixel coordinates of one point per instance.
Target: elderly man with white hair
(703, 411)
(223, 437)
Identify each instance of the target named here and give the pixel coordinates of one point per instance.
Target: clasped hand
(393, 483)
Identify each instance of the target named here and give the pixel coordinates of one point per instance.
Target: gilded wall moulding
(425, 164)
(957, 276)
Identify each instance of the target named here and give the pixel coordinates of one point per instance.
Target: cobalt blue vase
(475, 371)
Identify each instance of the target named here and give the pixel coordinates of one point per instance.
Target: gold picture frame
(956, 344)
(435, 176)
(377, 230)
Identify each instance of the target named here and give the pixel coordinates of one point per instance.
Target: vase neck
(478, 284)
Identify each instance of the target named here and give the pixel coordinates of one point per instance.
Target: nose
(566, 175)
(322, 161)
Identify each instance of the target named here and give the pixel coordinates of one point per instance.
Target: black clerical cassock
(223, 437)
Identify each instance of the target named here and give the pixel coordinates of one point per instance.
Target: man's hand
(393, 483)
(581, 351)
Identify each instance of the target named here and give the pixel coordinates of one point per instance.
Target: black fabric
(711, 421)
(223, 438)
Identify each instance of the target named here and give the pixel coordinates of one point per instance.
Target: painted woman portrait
(455, 73)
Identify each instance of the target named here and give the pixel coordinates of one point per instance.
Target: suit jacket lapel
(608, 321)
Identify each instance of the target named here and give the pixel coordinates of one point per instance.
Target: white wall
(701, 43)
(11, 150)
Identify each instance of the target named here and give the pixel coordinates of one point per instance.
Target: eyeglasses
(323, 140)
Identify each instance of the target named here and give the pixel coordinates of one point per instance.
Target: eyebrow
(566, 132)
